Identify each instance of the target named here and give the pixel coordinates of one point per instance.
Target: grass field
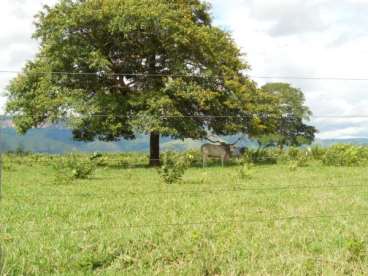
(126, 221)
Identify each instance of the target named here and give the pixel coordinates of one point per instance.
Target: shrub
(317, 152)
(357, 249)
(293, 153)
(7, 166)
(262, 156)
(345, 155)
(245, 171)
(71, 167)
(296, 157)
(195, 157)
(303, 157)
(174, 166)
(98, 159)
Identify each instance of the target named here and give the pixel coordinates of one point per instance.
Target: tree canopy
(135, 66)
(290, 116)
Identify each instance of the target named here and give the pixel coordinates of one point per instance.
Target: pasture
(125, 220)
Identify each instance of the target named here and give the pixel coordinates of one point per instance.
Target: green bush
(174, 166)
(245, 171)
(303, 157)
(73, 167)
(357, 249)
(293, 153)
(317, 152)
(262, 156)
(296, 157)
(195, 157)
(346, 155)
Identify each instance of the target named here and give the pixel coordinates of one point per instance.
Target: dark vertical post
(154, 149)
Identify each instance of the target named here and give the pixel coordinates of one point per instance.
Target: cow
(238, 152)
(222, 151)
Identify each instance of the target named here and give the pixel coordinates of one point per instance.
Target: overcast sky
(314, 38)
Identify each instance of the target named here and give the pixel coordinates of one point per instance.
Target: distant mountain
(60, 140)
(353, 141)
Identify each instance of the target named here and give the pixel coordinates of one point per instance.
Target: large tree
(134, 66)
(290, 116)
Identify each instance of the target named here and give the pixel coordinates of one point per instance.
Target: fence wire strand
(238, 220)
(165, 192)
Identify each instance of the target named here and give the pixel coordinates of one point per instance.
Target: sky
(281, 38)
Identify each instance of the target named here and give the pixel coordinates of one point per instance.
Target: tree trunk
(154, 149)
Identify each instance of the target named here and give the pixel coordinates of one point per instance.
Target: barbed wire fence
(193, 192)
(47, 162)
(166, 192)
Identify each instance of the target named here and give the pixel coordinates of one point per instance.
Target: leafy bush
(304, 156)
(357, 249)
(174, 166)
(346, 155)
(317, 152)
(195, 157)
(7, 166)
(262, 156)
(296, 157)
(72, 167)
(293, 153)
(245, 171)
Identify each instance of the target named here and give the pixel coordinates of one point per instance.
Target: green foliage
(293, 153)
(317, 152)
(174, 166)
(346, 155)
(194, 157)
(246, 171)
(357, 249)
(72, 167)
(154, 37)
(261, 156)
(298, 157)
(291, 112)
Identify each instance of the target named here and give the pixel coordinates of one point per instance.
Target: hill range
(60, 140)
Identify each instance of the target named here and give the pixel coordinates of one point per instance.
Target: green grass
(126, 221)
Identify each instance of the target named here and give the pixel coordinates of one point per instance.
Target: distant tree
(155, 66)
(290, 113)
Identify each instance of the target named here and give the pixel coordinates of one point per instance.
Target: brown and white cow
(221, 151)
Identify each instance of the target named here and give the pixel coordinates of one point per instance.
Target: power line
(267, 115)
(309, 78)
(97, 74)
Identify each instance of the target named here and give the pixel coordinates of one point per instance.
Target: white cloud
(16, 44)
(325, 38)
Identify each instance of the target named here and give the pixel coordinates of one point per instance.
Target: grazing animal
(222, 151)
